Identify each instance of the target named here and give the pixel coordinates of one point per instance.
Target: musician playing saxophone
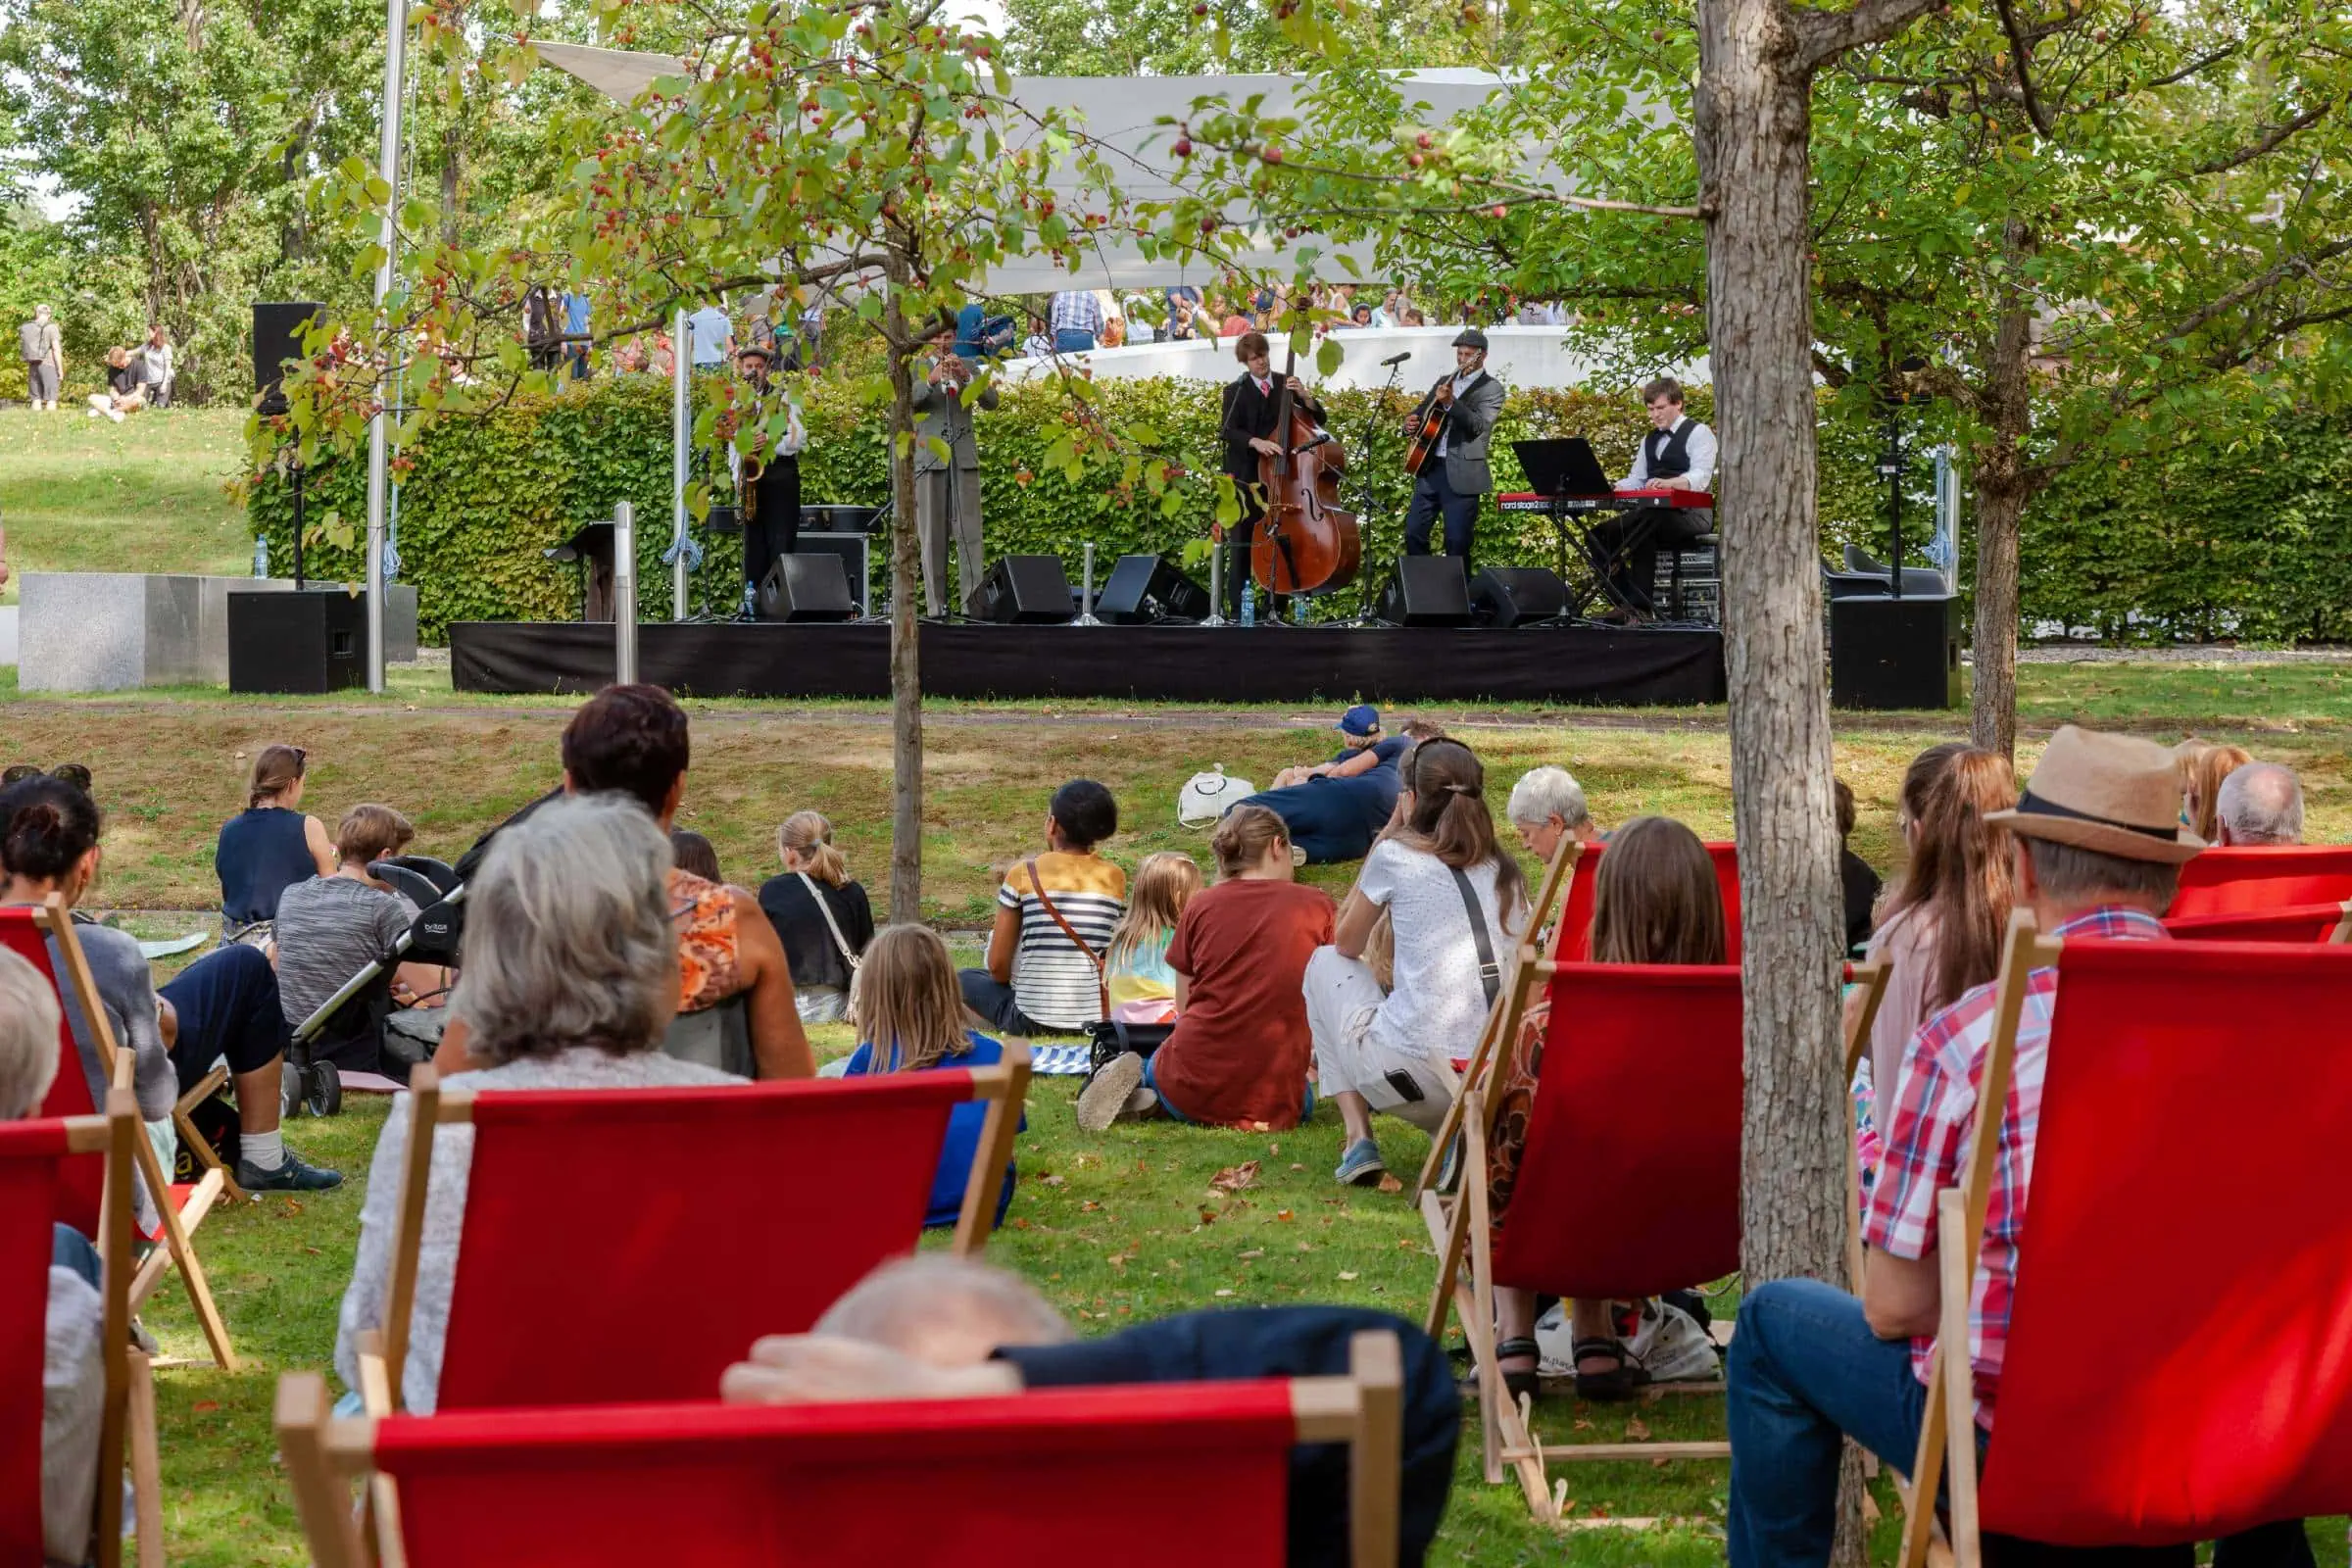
(767, 479)
(1252, 400)
(1469, 403)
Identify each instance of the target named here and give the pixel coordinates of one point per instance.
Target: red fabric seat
(629, 1244)
(77, 1197)
(1577, 914)
(1629, 1184)
(2180, 1360)
(2226, 881)
(2293, 922)
(36, 1169)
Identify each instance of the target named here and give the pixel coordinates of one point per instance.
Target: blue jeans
(1434, 497)
(1168, 1108)
(69, 1249)
(1069, 340)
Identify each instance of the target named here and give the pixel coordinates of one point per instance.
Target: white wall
(1519, 355)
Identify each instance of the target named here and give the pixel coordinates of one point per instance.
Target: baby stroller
(350, 1029)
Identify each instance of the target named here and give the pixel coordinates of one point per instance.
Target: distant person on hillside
(1055, 912)
(158, 365)
(43, 349)
(2258, 804)
(822, 915)
(126, 387)
(270, 846)
(1075, 318)
(575, 333)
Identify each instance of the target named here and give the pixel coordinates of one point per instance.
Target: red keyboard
(1529, 500)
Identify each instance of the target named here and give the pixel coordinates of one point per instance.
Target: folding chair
(1149, 1476)
(1577, 923)
(2226, 881)
(2189, 1089)
(42, 1164)
(584, 1279)
(2293, 922)
(181, 1208)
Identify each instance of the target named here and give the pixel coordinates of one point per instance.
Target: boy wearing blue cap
(1361, 750)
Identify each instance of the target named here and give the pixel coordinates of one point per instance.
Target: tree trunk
(1753, 121)
(906, 591)
(453, 164)
(2002, 489)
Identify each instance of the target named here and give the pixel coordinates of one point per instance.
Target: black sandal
(1611, 1387)
(1519, 1385)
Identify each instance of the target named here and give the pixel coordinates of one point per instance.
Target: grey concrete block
(112, 632)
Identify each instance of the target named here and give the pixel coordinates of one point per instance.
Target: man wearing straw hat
(2097, 843)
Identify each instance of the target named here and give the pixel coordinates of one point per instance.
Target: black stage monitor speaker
(311, 641)
(277, 338)
(1510, 596)
(809, 587)
(1426, 591)
(1895, 652)
(1143, 589)
(1027, 591)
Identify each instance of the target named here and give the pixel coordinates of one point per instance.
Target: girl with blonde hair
(910, 1012)
(1143, 988)
(822, 915)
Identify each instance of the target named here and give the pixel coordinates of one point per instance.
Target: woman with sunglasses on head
(268, 847)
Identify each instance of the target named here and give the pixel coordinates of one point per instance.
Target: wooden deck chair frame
(1364, 1409)
(180, 1222)
(1463, 1231)
(1004, 1086)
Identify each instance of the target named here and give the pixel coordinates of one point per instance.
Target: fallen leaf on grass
(1020, 1224)
(1635, 1429)
(1054, 1181)
(1347, 1274)
(1224, 1292)
(1582, 1425)
(1870, 1509)
(1389, 1184)
(1295, 1165)
(1233, 1178)
(1284, 1215)
(1254, 1252)
(1088, 1206)
(204, 1407)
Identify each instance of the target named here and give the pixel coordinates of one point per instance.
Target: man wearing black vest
(1247, 429)
(1678, 453)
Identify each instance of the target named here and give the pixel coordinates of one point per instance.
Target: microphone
(1395, 360)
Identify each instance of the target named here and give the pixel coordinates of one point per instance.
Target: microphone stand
(1363, 486)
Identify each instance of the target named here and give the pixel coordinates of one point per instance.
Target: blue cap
(1361, 719)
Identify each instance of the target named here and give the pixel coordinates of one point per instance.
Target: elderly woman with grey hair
(1547, 804)
(570, 981)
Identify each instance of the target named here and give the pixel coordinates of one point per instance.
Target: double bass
(1307, 543)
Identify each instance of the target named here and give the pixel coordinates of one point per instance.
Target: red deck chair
(41, 1164)
(2226, 881)
(1155, 1476)
(1577, 921)
(2293, 922)
(584, 1279)
(2192, 1090)
(183, 1207)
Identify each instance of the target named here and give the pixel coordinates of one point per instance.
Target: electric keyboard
(1615, 501)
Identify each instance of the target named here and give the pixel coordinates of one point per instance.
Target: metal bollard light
(624, 594)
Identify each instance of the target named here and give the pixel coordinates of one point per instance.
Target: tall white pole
(681, 431)
(624, 594)
(396, 44)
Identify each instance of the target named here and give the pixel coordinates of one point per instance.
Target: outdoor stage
(1175, 663)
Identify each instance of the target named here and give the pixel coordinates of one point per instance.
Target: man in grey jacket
(947, 489)
(1450, 484)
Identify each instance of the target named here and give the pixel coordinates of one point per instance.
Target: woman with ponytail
(822, 915)
(1456, 900)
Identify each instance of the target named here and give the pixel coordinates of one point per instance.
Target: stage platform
(1171, 664)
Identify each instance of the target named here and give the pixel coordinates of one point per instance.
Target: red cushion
(1630, 1181)
(33, 1164)
(2179, 1359)
(2293, 922)
(628, 1245)
(1576, 941)
(1164, 1477)
(77, 1199)
(2219, 881)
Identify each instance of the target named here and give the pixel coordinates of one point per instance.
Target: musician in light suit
(947, 489)
(1450, 482)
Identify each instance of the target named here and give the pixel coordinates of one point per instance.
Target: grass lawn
(78, 494)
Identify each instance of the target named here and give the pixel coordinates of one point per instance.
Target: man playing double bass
(1250, 432)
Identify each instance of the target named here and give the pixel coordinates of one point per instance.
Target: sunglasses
(73, 773)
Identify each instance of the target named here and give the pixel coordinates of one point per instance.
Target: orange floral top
(709, 969)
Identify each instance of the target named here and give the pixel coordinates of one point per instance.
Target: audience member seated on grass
(1334, 809)
(935, 1326)
(72, 1363)
(1857, 882)
(2203, 767)
(2258, 804)
(268, 847)
(1239, 1053)
(1547, 805)
(1055, 912)
(1940, 930)
(1654, 900)
(822, 915)
(695, 855)
(570, 981)
(1143, 988)
(2096, 848)
(910, 1016)
(1430, 870)
(224, 1006)
(331, 927)
(126, 387)
(632, 741)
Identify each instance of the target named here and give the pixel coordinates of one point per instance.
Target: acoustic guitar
(1426, 427)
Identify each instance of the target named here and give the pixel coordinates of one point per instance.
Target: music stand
(1566, 474)
(592, 548)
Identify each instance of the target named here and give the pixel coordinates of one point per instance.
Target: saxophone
(748, 467)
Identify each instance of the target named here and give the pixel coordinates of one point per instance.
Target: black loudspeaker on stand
(1511, 596)
(277, 328)
(1027, 591)
(1425, 591)
(1895, 652)
(809, 587)
(1146, 589)
(313, 641)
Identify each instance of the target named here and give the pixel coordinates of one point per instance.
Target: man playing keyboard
(1678, 453)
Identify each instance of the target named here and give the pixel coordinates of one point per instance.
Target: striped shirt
(1052, 982)
(1929, 1129)
(1073, 311)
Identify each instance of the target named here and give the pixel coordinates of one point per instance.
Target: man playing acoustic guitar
(1448, 457)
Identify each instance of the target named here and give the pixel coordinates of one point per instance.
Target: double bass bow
(1307, 544)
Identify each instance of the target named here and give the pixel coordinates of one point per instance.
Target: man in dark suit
(932, 1327)
(1247, 429)
(1450, 482)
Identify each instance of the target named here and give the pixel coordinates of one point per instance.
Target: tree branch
(2021, 52)
(1822, 36)
(2269, 140)
(2262, 282)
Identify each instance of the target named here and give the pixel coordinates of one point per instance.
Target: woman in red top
(1239, 1054)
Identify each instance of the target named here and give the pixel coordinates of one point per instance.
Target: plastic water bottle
(260, 556)
(1299, 609)
(1249, 604)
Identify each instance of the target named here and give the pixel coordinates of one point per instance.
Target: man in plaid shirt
(2097, 845)
(1075, 318)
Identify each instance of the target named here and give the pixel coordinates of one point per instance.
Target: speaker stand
(1216, 586)
(1086, 591)
(297, 527)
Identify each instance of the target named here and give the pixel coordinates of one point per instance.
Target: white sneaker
(1108, 1094)
(115, 415)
